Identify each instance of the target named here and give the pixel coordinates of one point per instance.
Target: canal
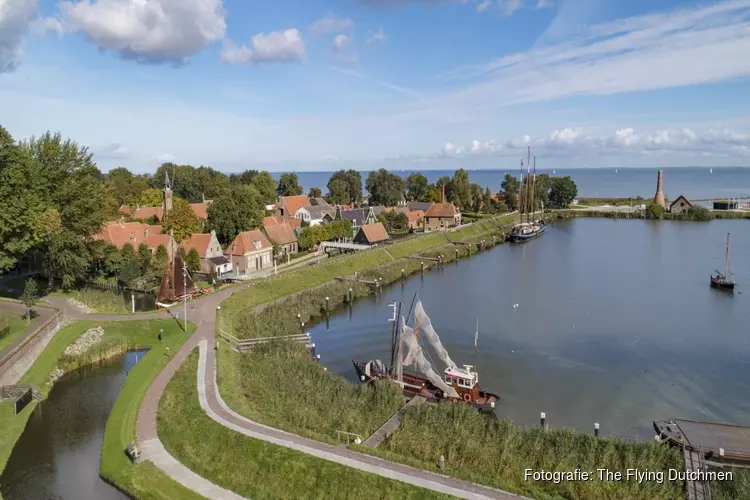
(615, 324)
(57, 456)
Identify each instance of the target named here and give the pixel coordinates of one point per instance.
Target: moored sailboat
(458, 384)
(723, 280)
(531, 227)
(176, 284)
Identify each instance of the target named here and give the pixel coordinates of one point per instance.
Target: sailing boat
(458, 384)
(723, 280)
(176, 284)
(710, 170)
(528, 229)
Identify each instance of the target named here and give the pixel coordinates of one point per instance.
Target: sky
(403, 84)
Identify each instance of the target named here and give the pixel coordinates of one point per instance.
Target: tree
(562, 191)
(311, 236)
(315, 193)
(384, 187)
(476, 197)
(458, 190)
(111, 260)
(699, 213)
(345, 186)
(266, 187)
(67, 257)
(129, 273)
(193, 261)
(289, 185)
(541, 190)
(654, 211)
(123, 187)
(128, 254)
(245, 177)
(144, 258)
(182, 220)
(211, 182)
(489, 204)
(509, 191)
(30, 296)
(433, 194)
(151, 197)
(338, 229)
(394, 221)
(184, 178)
(161, 259)
(239, 209)
(416, 187)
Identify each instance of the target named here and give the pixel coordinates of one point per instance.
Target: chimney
(145, 233)
(443, 191)
(659, 198)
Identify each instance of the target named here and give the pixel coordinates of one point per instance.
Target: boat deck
(708, 437)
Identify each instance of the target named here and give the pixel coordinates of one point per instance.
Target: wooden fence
(244, 345)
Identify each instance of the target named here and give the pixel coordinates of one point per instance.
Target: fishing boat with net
(176, 284)
(411, 369)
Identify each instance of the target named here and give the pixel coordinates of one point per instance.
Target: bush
(654, 211)
(699, 213)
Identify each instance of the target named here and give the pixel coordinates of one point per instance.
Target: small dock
(360, 280)
(392, 424)
(696, 490)
(420, 257)
(720, 444)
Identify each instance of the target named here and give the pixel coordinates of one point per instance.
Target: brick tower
(659, 198)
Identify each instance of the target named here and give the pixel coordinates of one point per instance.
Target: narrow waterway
(615, 324)
(57, 456)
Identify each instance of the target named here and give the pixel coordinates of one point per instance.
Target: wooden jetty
(719, 444)
(420, 257)
(360, 280)
(696, 490)
(392, 424)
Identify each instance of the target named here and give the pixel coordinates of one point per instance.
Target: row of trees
(548, 191)
(313, 235)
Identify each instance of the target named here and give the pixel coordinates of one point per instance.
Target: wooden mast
(394, 331)
(533, 194)
(521, 197)
(727, 269)
(476, 340)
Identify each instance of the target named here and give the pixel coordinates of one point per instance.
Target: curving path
(204, 315)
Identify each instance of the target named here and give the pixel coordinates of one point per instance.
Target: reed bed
(107, 348)
(497, 452)
(104, 301)
(281, 385)
(738, 487)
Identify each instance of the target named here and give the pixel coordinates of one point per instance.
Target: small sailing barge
(528, 227)
(723, 281)
(458, 384)
(176, 284)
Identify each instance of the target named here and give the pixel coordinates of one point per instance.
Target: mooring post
(132, 301)
(403, 275)
(544, 420)
(299, 318)
(422, 266)
(350, 296)
(596, 430)
(302, 327)
(721, 456)
(456, 254)
(161, 334)
(327, 305)
(442, 463)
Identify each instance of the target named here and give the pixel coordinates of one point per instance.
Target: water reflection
(57, 456)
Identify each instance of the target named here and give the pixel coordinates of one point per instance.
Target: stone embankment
(81, 306)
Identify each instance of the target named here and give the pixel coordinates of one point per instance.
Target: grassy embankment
(738, 487)
(253, 468)
(17, 325)
(137, 334)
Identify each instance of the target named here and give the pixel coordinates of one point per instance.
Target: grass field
(103, 301)
(256, 469)
(17, 325)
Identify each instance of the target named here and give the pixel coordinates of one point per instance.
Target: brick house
(282, 235)
(680, 206)
(287, 206)
(250, 252)
(441, 216)
(371, 234)
(119, 233)
(210, 252)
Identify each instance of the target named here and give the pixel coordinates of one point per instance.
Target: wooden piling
(596, 430)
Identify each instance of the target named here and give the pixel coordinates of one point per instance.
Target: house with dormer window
(249, 253)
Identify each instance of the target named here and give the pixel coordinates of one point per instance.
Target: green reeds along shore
(103, 350)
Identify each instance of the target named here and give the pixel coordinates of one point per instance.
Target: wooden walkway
(392, 424)
(695, 490)
(366, 282)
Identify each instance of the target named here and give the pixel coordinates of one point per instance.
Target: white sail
(415, 358)
(425, 325)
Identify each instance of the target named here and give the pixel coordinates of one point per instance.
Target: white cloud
(576, 142)
(114, 151)
(165, 157)
(341, 42)
(378, 36)
(45, 25)
(684, 47)
(15, 18)
(277, 46)
(543, 4)
(148, 31)
(330, 23)
(484, 5)
(509, 7)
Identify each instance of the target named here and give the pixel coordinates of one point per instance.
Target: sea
(692, 182)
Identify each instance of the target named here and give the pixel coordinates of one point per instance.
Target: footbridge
(344, 246)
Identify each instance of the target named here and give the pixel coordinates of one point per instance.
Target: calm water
(693, 182)
(57, 456)
(616, 324)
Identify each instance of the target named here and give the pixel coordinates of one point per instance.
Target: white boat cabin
(464, 377)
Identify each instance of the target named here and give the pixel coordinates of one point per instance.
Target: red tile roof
(280, 234)
(200, 209)
(198, 241)
(154, 240)
(414, 215)
(148, 212)
(375, 233)
(125, 210)
(244, 243)
(119, 233)
(442, 210)
(274, 220)
(294, 203)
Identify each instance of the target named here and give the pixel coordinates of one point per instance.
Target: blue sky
(321, 85)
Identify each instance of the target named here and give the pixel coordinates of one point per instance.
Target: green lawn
(17, 325)
(103, 301)
(253, 468)
(417, 244)
(144, 480)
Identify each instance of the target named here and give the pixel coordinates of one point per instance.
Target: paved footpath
(44, 313)
(204, 315)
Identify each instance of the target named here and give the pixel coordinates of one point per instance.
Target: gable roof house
(282, 235)
(680, 205)
(272, 220)
(144, 213)
(441, 216)
(250, 252)
(415, 218)
(315, 215)
(371, 234)
(119, 233)
(210, 252)
(288, 205)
